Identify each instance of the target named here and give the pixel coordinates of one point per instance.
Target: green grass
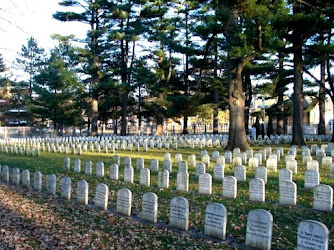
(286, 219)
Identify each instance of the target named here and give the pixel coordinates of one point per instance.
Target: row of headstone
(311, 234)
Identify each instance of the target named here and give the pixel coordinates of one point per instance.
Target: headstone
(26, 178)
(240, 173)
(77, 165)
(145, 177)
(236, 152)
(192, 160)
(215, 220)
(261, 173)
(259, 157)
(257, 190)
(140, 163)
(230, 187)
(66, 188)
(128, 174)
(312, 235)
(249, 153)
(182, 181)
(100, 169)
(206, 160)
(271, 165)
(292, 165)
(323, 198)
(263, 152)
(205, 184)
(228, 157)
(127, 161)
(218, 172)
(167, 157)
(259, 229)
(88, 167)
(16, 176)
(82, 192)
(178, 158)
(51, 184)
(331, 170)
(237, 161)
(182, 167)
(124, 200)
(101, 196)
(215, 155)
(179, 213)
(311, 179)
(326, 161)
(116, 159)
(38, 179)
(253, 163)
(285, 175)
(163, 179)
(113, 171)
(220, 160)
(168, 165)
(200, 169)
(154, 165)
(287, 193)
(312, 165)
(67, 163)
(149, 211)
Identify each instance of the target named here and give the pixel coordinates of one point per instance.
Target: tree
(57, 88)
(30, 60)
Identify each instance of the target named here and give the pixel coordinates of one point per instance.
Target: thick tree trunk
(322, 124)
(297, 97)
(280, 91)
(160, 124)
(249, 91)
(237, 133)
(124, 113)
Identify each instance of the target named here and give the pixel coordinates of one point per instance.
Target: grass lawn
(85, 227)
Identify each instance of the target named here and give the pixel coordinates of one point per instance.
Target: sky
(22, 19)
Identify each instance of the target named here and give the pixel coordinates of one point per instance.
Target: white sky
(21, 19)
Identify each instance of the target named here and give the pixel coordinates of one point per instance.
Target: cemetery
(185, 191)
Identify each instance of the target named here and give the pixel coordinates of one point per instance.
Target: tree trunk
(270, 125)
(237, 133)
(280, 92)
(95, 117)
(215, 92)
(160, 124)
(322, 124)
(297, 97)
(185, 125)
(249, 91)
(124, 113)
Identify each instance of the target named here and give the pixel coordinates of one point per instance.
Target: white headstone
(163, 179)
(140, 163)
(145, 177)
(77, 165)
(285, 175)
(179, 213)
(206, 160)
(128, 174)
(287, 193)
(124, 200)
(101, 196)
(113, 171)
(240, 173)
(26, 178)
(67, 163)
(200, 169)
(192, 160)
(215, 220)
(38, 179)
(312, 235)
(220, 160)
(168, 165)
(66, 188)
(127, 161)
(271, 165)
(100, 169)
(51, 184)
(312, 165)
(88, 167)
(292, 165)
(237, 161)
(218, 172)
(182, 181)
(178, 158)
(323, 198)
(149, 211)
(257, 190)
(16, 176)
(261, 173)
(154, 165)
(228, 157)
(253, 163)
(82, 192)
(259, 157)
(205, 184)
(311, 179)
(230, 187)
(259, 229)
